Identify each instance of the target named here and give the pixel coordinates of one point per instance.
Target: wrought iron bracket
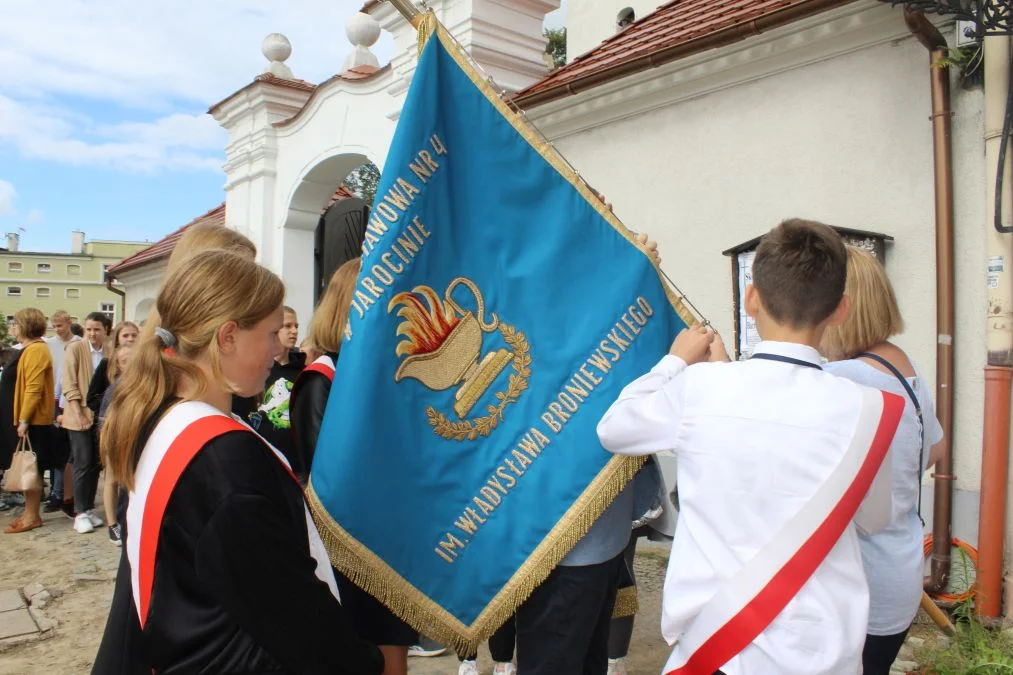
(990, 17)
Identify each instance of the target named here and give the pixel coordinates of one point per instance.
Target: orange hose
(972, 555)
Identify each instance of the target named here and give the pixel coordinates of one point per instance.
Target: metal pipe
(408, 10)
(994, 469)
(122, 294)
(998, 372)
(942, 508)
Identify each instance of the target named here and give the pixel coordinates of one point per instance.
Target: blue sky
(102, 105)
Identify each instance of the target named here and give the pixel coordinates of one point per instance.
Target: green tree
(5, 336)
(556, 45)
(363, 181)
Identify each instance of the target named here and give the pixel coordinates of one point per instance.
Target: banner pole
(408, 10)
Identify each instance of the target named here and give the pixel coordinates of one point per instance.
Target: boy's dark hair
(101, 318)
(77, 329)
(800, 270)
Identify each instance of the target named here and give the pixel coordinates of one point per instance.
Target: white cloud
(7, 196)
(144, 54)
(35, 216)
(173, 142)
(160, 64)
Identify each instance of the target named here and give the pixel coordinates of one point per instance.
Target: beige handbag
(23, 473)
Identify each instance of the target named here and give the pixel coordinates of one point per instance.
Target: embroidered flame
(425, 327)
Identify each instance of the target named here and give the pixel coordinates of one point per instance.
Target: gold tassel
(626, 603)
(426, 29)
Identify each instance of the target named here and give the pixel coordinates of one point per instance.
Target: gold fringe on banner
(367, 571)
(626, 603)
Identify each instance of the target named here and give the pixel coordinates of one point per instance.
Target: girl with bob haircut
(861, 351)
(227, 571)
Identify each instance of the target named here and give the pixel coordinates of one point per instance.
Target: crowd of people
(205, 418)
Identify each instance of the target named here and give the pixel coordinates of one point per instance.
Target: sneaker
(68, 509)
(617, 667)
(82, 524)
(114, 534)
(95, 520)
(425, 650)
(52, 505)
(468, 668)
(507, 668)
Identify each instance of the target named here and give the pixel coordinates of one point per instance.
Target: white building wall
(845, 140)
(141, 286)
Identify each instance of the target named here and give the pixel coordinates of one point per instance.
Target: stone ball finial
(363, 31)
(276, 48)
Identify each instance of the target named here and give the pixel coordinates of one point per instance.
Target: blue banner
(500, 310)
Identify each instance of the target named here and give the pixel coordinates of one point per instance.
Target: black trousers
(880, 652)
(563, 627)
(501, 643)
(621, 630)
(86, 468)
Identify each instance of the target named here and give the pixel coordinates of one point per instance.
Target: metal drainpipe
(122, 294)
(942, 512)
(998, 372)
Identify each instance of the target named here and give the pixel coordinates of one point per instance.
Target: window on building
(43, 268)
(74, 270)
(109, 309)
(10, 319)
(73, 293)
(14, 291)
(105, 272)
(42, 292)
(14, 267)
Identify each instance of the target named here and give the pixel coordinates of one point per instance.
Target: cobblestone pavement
(78, 570)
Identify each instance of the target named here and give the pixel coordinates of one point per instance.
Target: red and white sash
(750, 600)
(323, 365)
(176, 440)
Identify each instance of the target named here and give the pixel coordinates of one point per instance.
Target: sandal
(18, 526)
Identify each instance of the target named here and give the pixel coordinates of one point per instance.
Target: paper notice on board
(748, 335)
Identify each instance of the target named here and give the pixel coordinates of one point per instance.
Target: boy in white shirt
(775, 460)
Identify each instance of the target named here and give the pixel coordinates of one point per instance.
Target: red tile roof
(270, 78)
(163, 248)
(674, 30)
(356, 74)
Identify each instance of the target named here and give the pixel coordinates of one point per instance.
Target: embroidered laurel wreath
(482, 426)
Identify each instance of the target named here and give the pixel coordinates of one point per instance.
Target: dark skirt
(43, 439)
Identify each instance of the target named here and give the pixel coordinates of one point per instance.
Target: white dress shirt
(755, 440)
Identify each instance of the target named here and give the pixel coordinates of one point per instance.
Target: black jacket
(306, 407)
(235, 589)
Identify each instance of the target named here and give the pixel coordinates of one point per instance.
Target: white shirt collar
(792, 350)
(93, 350)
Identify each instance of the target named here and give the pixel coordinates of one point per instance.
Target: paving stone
(43, 621)
(16, 622)
(41, 600)
(31, 590)
(88, 577)
(86, 569)
(905, 666)
(11, 600)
